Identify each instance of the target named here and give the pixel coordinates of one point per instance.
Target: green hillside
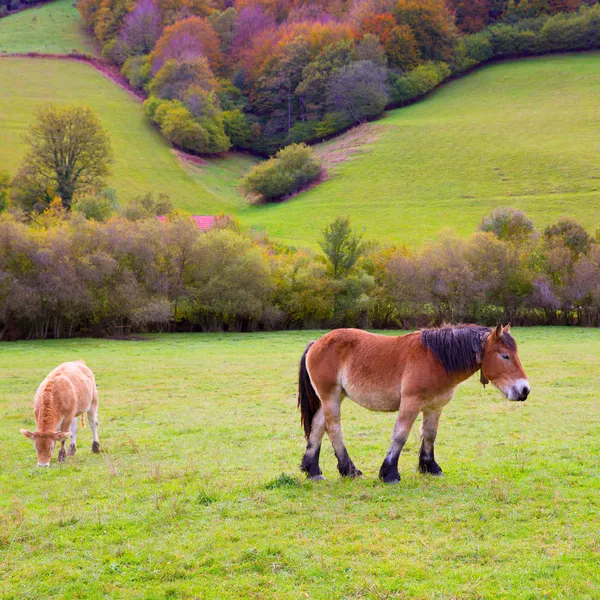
(523, 134)
(143, 160)
(54, 28)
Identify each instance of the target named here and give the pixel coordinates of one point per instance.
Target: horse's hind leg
(331, 403)
(310, 462)
(409, 409)
(429, 428)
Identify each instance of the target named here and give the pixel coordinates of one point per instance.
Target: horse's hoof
(72, 449)
(430, 468)
(96, 447)
(319, 477)
(391, 478)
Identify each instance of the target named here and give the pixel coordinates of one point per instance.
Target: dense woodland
(65, 275)
(261, 74)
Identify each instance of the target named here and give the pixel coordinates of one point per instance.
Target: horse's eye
(505, 356)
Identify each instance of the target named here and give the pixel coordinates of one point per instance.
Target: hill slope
(54, 28)
(523, 134)
(144, 162)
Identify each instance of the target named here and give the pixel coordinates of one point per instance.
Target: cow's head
(44, 444)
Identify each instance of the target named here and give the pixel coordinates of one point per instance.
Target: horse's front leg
(410, 407)
(429, 429)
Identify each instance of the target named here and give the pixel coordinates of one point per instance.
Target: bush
(145, 207)
(98, 207)
(508, 224)
(289, 170)
(138, 72)
(179, 127)
(419, 82)
(175, 77)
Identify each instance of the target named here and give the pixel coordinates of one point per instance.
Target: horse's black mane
(456, 346)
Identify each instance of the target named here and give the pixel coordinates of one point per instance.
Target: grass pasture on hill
(524, 134)
(53, 28)
(198, 494)
(144, 161)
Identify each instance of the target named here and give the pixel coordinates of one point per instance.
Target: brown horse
(412, 373)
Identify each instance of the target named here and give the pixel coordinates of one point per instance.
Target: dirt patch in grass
(349, 144)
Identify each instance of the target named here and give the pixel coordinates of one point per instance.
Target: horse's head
(44, 444)
(501, 365)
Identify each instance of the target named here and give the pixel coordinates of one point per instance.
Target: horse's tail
(308, 400)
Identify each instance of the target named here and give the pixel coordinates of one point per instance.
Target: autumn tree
(432, 25)
(141, 28)
(186, 40)
(471, 15)
(359, 91)
(68, 151)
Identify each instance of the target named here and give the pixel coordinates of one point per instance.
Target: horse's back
(369, 368)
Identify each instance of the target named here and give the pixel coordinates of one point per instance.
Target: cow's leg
(429, 428)
(73, 444)
(410, 407)
(310, 462)
(92, 414)
(62, 453)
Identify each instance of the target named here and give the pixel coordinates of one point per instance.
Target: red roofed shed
(204, 222)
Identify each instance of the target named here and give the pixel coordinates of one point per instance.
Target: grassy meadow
(197, 493)
(144, 161)
(54, 28)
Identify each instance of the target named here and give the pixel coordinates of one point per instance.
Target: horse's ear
(27, 434)
(507, 328)
(498, 331)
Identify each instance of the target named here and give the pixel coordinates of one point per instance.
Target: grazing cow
(66, 393)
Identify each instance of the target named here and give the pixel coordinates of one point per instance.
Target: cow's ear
(28, 434)
(61, 435)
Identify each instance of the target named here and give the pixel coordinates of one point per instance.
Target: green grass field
(524, 133)
(188, 499)
(54, 28)
(144, 161)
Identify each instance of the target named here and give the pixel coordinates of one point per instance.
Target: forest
(261, 74)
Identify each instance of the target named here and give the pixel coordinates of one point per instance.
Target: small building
(204, 222)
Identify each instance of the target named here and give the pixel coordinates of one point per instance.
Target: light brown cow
(67, 392)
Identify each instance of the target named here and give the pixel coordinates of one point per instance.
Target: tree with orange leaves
(398, 41)
(187, 39)
(432, 25)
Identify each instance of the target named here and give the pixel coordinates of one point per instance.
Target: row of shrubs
(63, 275)
(545, 34)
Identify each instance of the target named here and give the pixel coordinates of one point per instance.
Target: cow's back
(73, 387)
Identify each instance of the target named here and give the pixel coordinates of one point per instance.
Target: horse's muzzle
(520, 391)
